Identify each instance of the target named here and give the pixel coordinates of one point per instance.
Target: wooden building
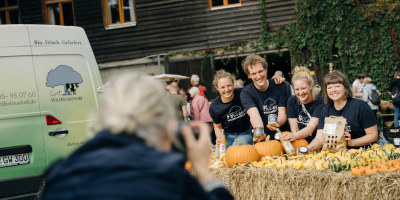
(123, 32)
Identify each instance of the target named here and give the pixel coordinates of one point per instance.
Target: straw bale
(269, 183)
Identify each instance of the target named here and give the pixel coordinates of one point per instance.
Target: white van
(49, 85)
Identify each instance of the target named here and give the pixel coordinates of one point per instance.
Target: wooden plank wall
(31, 11)
(168, 25)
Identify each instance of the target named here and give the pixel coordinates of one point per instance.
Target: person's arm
(185, 113)
(293, 126)
(371, 135)
(317, 142)
(281, 119)
(218, 132)
(303, 133)
(355, 92)
(278, 79)
(255, 120)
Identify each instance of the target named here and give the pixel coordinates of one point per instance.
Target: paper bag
(334, 139)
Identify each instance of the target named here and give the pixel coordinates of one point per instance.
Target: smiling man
(263, 97)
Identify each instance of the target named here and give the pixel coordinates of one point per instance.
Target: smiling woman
(227, 111)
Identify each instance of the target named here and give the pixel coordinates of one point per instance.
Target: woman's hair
(252, 60)
(396, 74)
(334, 78)
(303, 73)
(363, 75)
(222, 74)
(136, 104)
(194, 91)
(367, 80)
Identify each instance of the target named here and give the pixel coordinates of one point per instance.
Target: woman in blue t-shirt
(304, 108)
(227, 111)
(361, 127)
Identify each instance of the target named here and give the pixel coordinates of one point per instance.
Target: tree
(63, 75)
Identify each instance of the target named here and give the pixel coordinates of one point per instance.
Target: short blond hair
(367, 80)
(252, 60)
(136, 104)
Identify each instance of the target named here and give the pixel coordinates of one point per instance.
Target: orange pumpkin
(297, 143)
(188, 165)
(212, 154)
(269, 148)
(240, 154)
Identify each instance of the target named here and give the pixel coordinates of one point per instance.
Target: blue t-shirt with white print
(267, 102)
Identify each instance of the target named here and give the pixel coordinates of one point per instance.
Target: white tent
(170, 77)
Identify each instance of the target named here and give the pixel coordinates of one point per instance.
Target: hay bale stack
(269, 183)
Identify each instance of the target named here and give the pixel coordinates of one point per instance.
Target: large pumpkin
(269, 148)
(240, 154)
(297, 143)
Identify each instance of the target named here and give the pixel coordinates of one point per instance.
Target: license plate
(12, 160)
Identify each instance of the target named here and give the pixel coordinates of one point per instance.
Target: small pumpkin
(358, 170)
(212, 154)
(297, 143)
(269, 148)
(188, 165)
(241, 154)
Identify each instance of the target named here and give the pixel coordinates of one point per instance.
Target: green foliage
(365, 37)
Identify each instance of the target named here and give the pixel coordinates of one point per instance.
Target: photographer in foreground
(131, 157)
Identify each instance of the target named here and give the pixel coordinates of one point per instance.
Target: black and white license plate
(11, 160)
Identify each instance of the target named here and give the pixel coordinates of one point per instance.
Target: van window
(18, 92)
(66, 87)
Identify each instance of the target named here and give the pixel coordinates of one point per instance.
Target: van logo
(66, 76)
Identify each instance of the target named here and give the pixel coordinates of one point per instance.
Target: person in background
(263, 97)
(199, 107)
(395, 83)
(194, 81)
(361, 129)
(228, 113)
(240, 83)
(183, 93)
(236, 85)
(131, 157)
(289, 88)
(303, 109)
(358, 85)
(367, 91)
(178, 102)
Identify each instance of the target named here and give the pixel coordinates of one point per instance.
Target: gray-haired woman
(131, 157)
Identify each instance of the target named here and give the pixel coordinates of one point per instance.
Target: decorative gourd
(358, 170)
(388, 147)
(309, 164)
(269, 148)
(297, 143)
(188, 165)
(240, 154)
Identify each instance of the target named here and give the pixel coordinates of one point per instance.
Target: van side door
(67, 87)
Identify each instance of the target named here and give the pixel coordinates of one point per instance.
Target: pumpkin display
(297, 143)
(269, 148)
(240, 154)
(212, 154)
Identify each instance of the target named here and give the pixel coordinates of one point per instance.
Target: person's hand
(217, 141)
(348, 138)
(278, 79)
(198, 151)
(260, 139)
(273, 128)
(290, 137)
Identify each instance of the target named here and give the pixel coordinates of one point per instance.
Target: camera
(179, 145)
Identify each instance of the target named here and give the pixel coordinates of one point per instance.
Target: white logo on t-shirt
(348, 129)
(270, 106)
(393, 96)
(235, 113)
(303, 119)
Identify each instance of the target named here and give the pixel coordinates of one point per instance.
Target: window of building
(119, 13)
(218, 4)
(60, 12)
(9, 12)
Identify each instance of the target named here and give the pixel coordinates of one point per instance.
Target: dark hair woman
(361, 128)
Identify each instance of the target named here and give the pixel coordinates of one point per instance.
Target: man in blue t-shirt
(263, 97)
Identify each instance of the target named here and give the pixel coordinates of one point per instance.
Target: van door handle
(53, 133)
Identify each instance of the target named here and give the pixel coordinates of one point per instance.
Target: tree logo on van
(66, 76)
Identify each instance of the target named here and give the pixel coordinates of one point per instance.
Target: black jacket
(123, 167)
